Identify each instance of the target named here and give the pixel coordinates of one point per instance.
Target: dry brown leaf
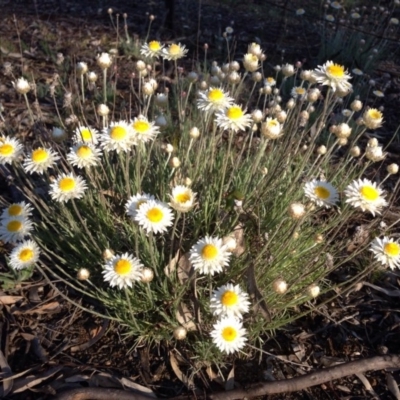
(214, 377)
(23, 384)
(238, 233)
(6, 372)
(230, 380)
(181, 264)
(187, 381)
(98, 334)
(128, 383)
(7, 300)
(185, 317)
(53, 306)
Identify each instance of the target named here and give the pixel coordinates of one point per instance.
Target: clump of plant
(212, 211)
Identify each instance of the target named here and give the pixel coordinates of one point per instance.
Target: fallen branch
(100, 394)
(312, 379)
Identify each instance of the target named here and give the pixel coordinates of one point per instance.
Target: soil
(49, 345)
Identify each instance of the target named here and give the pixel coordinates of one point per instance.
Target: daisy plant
(213, 211)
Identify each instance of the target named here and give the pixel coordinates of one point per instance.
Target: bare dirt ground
(48, 345)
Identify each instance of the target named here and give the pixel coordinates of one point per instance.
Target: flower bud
(180, 333)
(174, 162)
(392, 169)
(161, 121)
(22, 86)
(92, 76)
(147, 275)
(343, 131)
(321, 150)
(103, 110)
(104, 60)
(297, 210)
(108, 254)
(355, 151)
(313, 291)
(81, 68)
(83, 274)
(192, 76)
(290, 104)
(356, 105)
(58, 134)
(288, 70)
(279, 286)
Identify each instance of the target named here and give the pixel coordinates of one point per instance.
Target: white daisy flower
(323, 194)
(229, 335)
(333, 75)
(84, 155)
(20, 210)
(270, 81)
(40, 160)
(144, 130)
(365, 195)
(336, 5)
(298, 92)
(214, 99)
(372, 118)
(10, 149)
(182, 198)
(123, 271)
(378, 93)
(355, 15)
(230, 301)
(271, 128)
(86, 134)
(209, 255)
(152, 49)
(330, 18)
(154, 216)
(119, 136)
(174, 51)
(22, 86)
(233, 118)
(67, 187)
(386, 251)
(24, 255)
(14, 229)
(133, 204)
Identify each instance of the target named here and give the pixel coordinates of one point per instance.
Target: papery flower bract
(134, 202)
(365, 195)
(22, 86)
(10, 149)
(386, 251)
(372, 118)
(123, 271)
(250, 62)
(182, 198)
(209, 255)
(214, 99)
(144, 130)
(20, 210)
(40, 160)
(229, 335)
(86, 134)
(333, 75)
(233, 118)
(230, 301)
(84, 155)
(14, 229)
(271, 128)
(375, 153)
(174, 51)
(154, 216)
(119, 136)
(323, 194)
(24, 255)
(67, 187)
(152, 49)
(104, 60)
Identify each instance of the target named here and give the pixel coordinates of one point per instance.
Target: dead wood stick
(312, 379)
(100, 394)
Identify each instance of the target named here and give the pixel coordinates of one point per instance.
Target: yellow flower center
(86, 134)
(229, 298)
(182, 197)
(374, 113)
(272, 123)
(300, 90)
(155, 215)
(122, 267)
(392, 249)
(84, 152)
(154, 46)
(26, 255)
(14, 226)
(369, 193)
(141, 126)
(39, 155)
(336, 70)
(270, 79)
(321, 192)
(234, 112)
(67, 184)
(118, 133)
(209, 252)
(174, 49)
(215, 95)
(229, 334)
(14, 210)
(6, 149)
